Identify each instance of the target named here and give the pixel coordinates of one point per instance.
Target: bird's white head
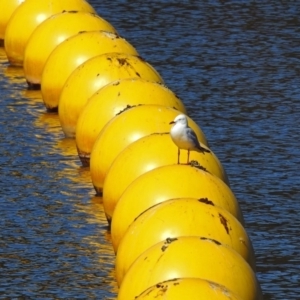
(180, 119)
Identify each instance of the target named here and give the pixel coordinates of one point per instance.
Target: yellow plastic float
(95, 73)
(187, 288)
(73, 52)
(144, 155)
(27, 17)
(165, 183)
(191, 257)
(181, 217)
(111, 100)
(7, 8)
(124, 129)
(53, 31)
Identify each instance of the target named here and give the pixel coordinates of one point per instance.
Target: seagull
(184, 137)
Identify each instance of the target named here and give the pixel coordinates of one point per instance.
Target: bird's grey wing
(192, 136)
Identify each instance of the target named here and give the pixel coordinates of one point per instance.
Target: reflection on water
(54, 240)
(235, 65)
(15, 74)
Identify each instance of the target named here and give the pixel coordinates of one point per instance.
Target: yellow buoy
(95, 73)
(52, 32)
(191, 257)
(111, 100)
(181, 217)
(73, 52)
(187, 288)
(165, 183)
(126, 128)
(143, 155)
(27, 17)
(7, 8)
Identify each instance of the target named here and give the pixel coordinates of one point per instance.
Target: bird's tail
(203, 150)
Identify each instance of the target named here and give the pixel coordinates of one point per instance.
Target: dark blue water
(236, 66)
